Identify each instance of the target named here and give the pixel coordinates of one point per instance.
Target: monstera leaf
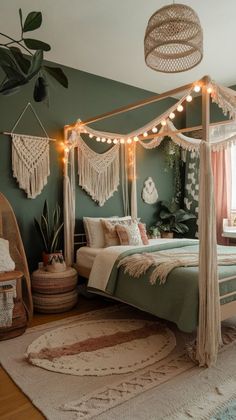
(20, 69)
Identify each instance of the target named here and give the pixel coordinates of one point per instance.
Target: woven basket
(55, 303)
(46, 282)
(19, 322)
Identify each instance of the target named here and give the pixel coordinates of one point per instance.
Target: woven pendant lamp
(173, 40)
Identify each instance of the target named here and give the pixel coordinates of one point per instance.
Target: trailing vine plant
(20, 69)
(173, 161)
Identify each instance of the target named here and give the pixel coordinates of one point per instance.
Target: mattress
(85, 257)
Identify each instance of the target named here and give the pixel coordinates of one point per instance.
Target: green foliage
(173, 161)
(20, 70)
(172, 218)
(49, 228)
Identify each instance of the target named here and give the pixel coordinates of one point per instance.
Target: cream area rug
(153, 384)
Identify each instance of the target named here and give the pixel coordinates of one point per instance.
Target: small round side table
(54, 292)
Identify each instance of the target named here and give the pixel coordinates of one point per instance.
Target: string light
(98, 139)
(90, 136)
(67, 149)
(136, 138)
(197, 88)
(163, 123)
(109, 141)
(209, 90)
(172, 115)
(103, 140)
(115, 141)
(189, 98)
(154, 130)
(180, 108)
(122, 140)
(145, 134)
(129, 140)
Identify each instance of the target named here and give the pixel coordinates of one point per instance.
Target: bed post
(134, 206)
(209, 336)
(68, 201)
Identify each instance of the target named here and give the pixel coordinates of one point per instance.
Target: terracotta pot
(169, 235)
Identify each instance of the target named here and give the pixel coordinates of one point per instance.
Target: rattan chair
(9, 230)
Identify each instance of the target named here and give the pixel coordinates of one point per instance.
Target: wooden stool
(19, 316)
(54, 292)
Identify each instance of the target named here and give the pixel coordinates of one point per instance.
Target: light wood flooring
(14, 405)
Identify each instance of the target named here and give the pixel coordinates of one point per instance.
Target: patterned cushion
(6, 262)
(111, 237)
(143, 233)
(129, 234)
(94, 231)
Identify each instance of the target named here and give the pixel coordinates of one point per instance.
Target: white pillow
(94, 231)
(6, 262)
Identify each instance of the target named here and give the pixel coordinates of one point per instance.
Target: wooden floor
(14, 405)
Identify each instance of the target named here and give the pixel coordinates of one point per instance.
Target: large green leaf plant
(173, 219)
(19, 69)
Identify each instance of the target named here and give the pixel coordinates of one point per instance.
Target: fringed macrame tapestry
(98, 173)
(30, 163)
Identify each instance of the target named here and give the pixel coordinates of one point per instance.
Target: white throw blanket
(164, 262)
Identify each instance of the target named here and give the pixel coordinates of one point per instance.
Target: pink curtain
(221, 166)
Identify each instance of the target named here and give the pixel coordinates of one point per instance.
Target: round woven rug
(102, 347)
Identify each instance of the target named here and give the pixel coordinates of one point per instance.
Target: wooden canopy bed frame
(210, 314)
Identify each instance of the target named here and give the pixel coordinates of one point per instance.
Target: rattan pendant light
(173, 40)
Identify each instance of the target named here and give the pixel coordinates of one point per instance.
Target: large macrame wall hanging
(30, 158)
(98, 173)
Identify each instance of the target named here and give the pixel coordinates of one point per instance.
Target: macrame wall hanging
(30, 158)
(149, 192)
(98, 173)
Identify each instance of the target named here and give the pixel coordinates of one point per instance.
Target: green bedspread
(177, 299)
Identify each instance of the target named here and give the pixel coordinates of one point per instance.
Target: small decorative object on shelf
(54, 292)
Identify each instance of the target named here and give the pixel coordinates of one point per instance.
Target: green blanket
(177, 299)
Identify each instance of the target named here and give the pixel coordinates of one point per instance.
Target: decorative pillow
(129, 234)
(6, 262)
(111, 237)
(143, 233)
(94, 230)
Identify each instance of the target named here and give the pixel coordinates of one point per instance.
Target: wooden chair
(23, 307)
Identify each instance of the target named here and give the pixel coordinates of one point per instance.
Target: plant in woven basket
(49, 228)
(172, 219)
(20, 69)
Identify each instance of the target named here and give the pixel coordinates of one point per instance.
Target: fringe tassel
(98, 174)
(30, 164)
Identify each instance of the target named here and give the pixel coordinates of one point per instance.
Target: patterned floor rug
(156, 379)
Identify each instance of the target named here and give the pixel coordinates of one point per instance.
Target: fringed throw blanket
(164, 262)
(98, 173)
(30, 163)
(7, 295)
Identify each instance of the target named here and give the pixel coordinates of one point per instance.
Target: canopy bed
(214, 137)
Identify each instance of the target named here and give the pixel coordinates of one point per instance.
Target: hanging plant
(20, 69)
(173, 161)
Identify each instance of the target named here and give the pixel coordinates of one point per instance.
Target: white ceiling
(105, 37)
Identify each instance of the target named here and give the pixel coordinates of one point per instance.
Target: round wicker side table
(54, 292)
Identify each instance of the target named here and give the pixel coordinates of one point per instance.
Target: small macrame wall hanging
(30, 158)
(98, 173)
(149, 192)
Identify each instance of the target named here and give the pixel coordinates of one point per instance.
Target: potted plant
(172, 220)
(153, 232)
(49, 229)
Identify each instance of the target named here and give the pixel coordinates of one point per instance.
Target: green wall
(87, 96)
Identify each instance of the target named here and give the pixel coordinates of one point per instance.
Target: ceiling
(105, 37)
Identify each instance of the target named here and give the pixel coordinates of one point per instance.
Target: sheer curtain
(221, 166)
